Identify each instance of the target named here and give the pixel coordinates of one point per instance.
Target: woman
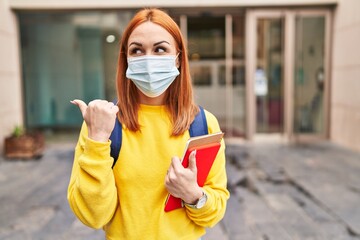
(155, 106)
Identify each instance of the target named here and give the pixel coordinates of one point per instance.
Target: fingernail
(194, 153)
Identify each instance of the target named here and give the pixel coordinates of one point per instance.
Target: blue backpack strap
(116, 140)
(199, 126)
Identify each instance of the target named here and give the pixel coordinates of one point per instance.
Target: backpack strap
(116, 141)
(197, 128)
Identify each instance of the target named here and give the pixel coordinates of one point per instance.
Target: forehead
(149, 32)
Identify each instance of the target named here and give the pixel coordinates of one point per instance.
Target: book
(207, 147)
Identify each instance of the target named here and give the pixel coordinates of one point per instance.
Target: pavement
(278, 191)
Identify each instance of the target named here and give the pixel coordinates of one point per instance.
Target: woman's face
(150, 39)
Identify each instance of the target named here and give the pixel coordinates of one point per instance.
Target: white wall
(10, 83)
(345, 94)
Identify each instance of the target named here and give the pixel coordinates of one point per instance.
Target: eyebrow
(155, 44)
(135, 43)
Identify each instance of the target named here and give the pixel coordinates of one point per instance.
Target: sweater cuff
(96, 149)
(96, 159)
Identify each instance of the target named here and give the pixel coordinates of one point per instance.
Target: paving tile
(216, 233)
(260, 219)
(292, 218)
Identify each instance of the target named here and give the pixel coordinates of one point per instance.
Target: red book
(206, 147)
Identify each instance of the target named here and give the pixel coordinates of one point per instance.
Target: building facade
(264, 68)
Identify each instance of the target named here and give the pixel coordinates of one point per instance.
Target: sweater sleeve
(214, 187)
(92, 193)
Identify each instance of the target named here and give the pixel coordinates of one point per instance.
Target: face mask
(152, 75)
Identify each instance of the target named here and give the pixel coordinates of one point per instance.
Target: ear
(178, 61)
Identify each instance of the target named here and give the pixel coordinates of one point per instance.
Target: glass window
(238, 37)
(206, 37)
(268, 84)
(309, 75)
(67, 56)
(201, 75)
(206, 42)
(238, 75)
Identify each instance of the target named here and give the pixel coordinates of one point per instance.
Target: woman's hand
(182, 182)
(100, 116)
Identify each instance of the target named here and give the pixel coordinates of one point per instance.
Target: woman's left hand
(182, 182)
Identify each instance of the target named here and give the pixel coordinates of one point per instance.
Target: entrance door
(287, 73)
(311, 75)
(216, 54)
(268, 81)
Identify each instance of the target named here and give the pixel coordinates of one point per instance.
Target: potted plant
(21, 144)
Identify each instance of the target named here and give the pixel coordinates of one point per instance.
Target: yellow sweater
(128, 201)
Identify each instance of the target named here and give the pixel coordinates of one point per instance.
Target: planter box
(26, 146)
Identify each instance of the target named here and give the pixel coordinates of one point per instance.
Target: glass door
(216, 53)
(268, 82)
(310, 80)
(287, 76)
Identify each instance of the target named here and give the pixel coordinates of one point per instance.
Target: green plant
(18, 131)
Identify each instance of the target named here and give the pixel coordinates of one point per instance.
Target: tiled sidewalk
(293, 192)
(278, 192)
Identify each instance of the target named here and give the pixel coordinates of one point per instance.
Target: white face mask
(151, 74)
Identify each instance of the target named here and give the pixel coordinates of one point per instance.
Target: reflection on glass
(206, 37)
(238, 75)
(67, 56)
(268, 82)
(309, 75)
(206, 43)
(201, 75)
(238, 37)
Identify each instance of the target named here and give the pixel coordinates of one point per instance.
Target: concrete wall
(345, 94)
(106, 4)
(10, 80)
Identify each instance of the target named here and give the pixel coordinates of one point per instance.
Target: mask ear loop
(177, 60)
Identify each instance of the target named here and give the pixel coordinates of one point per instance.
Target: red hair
(178, 97)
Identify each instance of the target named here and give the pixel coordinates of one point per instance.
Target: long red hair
(178, 97)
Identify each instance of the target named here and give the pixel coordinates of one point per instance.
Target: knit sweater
(128, 201)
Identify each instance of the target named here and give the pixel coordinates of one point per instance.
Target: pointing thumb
(81, 104)
(192, 161)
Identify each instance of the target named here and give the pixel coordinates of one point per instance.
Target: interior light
(110, 38)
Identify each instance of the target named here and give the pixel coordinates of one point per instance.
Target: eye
(160, 50)
(135, 51)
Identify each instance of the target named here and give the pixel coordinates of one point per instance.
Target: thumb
(81, 104)
(192, 161)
